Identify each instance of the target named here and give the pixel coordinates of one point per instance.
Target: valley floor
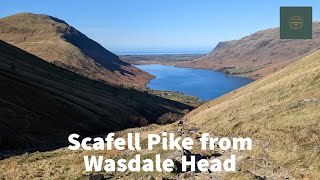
(164, 59)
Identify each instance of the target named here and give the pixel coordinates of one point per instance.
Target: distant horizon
(162, 26)
(161, 53)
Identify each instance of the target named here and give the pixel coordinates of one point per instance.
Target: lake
(205, 84)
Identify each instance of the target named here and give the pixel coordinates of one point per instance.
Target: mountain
(57, 42)
(258, 54)
(279, 112)
(41, 104)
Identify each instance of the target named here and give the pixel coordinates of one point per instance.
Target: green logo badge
(295, 22)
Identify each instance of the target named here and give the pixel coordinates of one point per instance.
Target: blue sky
(161, 25)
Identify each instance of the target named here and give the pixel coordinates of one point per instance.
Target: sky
(161, 26)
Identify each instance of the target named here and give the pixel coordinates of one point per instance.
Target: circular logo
(296, 22)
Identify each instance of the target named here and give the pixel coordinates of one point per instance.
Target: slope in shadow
(95, 51)
(42, 104)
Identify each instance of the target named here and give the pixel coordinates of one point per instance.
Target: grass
(240, 71)
(284, 126)
(179, 97)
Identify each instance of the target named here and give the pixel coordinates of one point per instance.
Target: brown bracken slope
(258, 54)
(57, 42)
(42, 104)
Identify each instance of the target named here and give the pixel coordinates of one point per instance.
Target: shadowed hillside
(41, 103)
(55, 41)
(258, 54)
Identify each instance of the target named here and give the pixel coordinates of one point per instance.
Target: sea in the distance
(202, 83)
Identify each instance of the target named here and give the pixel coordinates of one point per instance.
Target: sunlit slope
(55, 41)
(280, 112)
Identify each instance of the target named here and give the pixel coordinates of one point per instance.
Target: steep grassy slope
(279, 112)
(55, 41)
(41, 103)
(258, 54)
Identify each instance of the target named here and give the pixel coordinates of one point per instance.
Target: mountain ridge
(57, 42)
(257, 54)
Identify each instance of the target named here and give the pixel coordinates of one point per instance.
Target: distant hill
(57, 42)
(165, 59)
(258, 54)
(41, 104)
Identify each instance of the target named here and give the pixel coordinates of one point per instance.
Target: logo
(295, 22)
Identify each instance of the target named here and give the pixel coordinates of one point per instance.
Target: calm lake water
(202, 83)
